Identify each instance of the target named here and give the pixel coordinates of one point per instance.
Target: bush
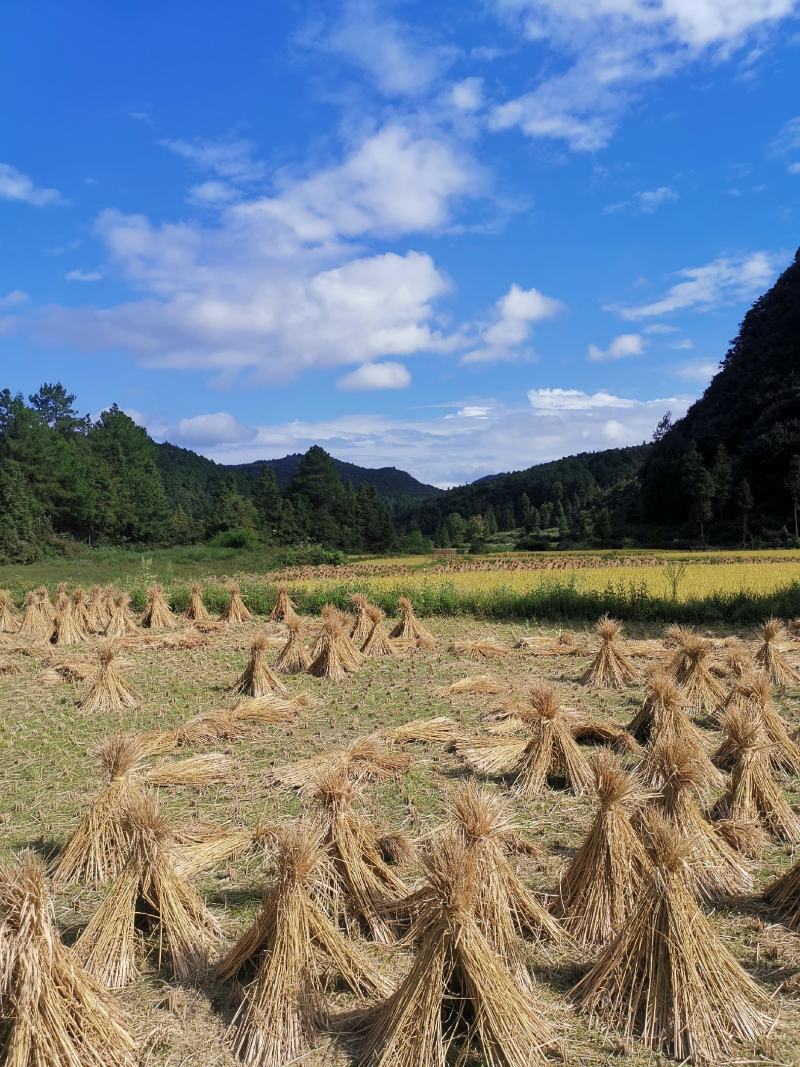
(239, 537)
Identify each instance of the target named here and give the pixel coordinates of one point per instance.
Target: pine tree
(793, 487)
(698, 488)
(22, 527)
(722, 477)
(744, 505)
(602, 526)
(268, 502)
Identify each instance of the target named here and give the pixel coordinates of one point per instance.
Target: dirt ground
(47, 773)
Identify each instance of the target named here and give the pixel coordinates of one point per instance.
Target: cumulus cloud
(282, 283)
(697, 370)
(399, 59)
(376, 376)
(613, 48)
(467, 95)
(624, 346)
(511, 324)
(231, 159)
(217, 428)
(649, 200)
(713, 284)
(471, 440)
(14, 185)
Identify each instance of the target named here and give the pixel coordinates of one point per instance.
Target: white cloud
(624, 346)
(83, 275)
(14, 299)
(794, 168)
(698, 370)
(651, 199)
(14, 185)
(467, 95)
(394, 182)
(218, 428)
(398, 59)
(471, 441)
(212, 192)
(788, 138)
(511, 324)
(376, 376)
(659, 328)
(703, 288)
(684, 345)
(613, 48)
(230, 159)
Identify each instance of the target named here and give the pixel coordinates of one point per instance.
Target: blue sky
(458, 238)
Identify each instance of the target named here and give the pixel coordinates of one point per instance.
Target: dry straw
(479, 650)
(80, 610)
(45, 603)
(158, 615)
(196, 610)
(36, 624)
(258, 677)
(409, 628)
(335, 655)
(770, 659)
(661, 720)
(51, 1011)
(783, 896)
(378, 642)
(611, 668)
(458, 986)
(148, 890)
(752, 697)
(296, 952)
(66, 628)
(753, 795)
(362, 625)
(108, 691)
(690, 666)
(284, 609)
(95, 610)
(439, 730)
(477, 684)
(9, 620)
(294, 657)
(667, 978)
(549, 754)
(715, 870)
(122, 622)
(364, 882)
(235, 610)
(597, 892)
(364, 760)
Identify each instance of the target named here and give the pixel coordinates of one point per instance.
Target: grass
(46, 773)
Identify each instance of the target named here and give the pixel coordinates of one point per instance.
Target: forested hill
(573, 494)
(731, 467)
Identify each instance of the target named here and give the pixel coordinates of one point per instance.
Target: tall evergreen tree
(698, 488)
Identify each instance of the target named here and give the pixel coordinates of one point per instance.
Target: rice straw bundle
(199, 847)
(66, 630)
(771, 660)
(458, 987)
(211, 768)
(258, 677)
(409, 628)
(80, 611)
(440, 730)
(158, 615)
(362, 626)
(235, 610)
(108, 602)
(74, 671)
(95, 610)
(108, 691)
(479, 650)
(714, 869)
(297, 952)
(9, 621)
(597, 891)
(754, 700)
(690, 667)
(284, 609)
(605, 732)
(122, 622)
(364, 882)
(753, 795)
(294, 657)
(661, 720)
(478, 683)
(549, 752)
(196, 610)
(667, 978)
(52, 1011)
(62, 596)
(783, 896)
(610, 668)
(335, 654)
(737, 659)
(365, 760)
(148, 888)
(36, 625)
(378, 642)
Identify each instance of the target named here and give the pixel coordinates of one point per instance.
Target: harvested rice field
(518, 730)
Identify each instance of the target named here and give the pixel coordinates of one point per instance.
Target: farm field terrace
(47, 773)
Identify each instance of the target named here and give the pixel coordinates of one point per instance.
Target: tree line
(65, 477)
